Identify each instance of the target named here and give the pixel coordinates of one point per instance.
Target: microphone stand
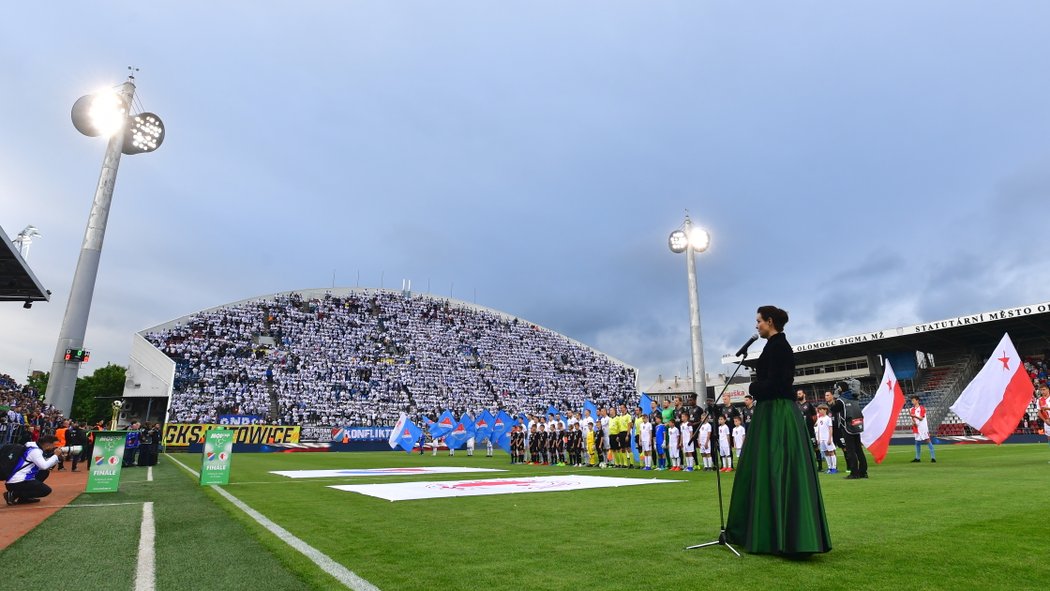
(721, 541)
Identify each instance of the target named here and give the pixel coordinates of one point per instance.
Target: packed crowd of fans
(1039, 372)
(22, 408)
(361, 359)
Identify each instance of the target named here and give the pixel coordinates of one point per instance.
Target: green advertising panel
(218, 452)
(106, 460)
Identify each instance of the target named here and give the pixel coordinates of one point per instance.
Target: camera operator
(26, 483)
(856, 461)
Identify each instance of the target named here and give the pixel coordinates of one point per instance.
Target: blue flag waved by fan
(408, 436)
(501, 427)
(483, 426)
(443, 426)
(464, 430)
(646, 403)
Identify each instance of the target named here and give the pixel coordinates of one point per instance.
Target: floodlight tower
(105, 114)
(688, 239)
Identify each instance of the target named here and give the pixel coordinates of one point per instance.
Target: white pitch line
(344, 575)
(149, 474)
(145, 575)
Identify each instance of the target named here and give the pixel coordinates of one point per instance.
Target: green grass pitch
(971, 521)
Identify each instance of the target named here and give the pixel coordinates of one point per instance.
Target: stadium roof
(1023, 323)
(17, 282)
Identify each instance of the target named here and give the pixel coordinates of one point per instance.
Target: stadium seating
(363, 358)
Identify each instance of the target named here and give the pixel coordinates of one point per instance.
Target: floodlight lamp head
(100, 114)
(699, 239)
(678, 242)
(144, 133)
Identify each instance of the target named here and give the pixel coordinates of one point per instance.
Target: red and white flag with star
(880, 415)
(998, 395)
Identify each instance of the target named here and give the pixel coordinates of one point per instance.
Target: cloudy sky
(864, 165)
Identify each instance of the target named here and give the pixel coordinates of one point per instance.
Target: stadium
(328, 358)
(246, 419)
(331, 362)
(350, 359)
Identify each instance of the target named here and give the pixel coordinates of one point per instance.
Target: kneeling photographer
(31, 468)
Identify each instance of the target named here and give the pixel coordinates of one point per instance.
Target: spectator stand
(361, 356)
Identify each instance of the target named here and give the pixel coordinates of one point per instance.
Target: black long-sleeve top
(774, 370)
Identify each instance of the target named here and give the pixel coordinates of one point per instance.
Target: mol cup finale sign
(106, 459)
(218, 453)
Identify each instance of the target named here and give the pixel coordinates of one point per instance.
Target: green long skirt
(776, 507)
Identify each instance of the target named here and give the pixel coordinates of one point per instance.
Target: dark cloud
(859, 295)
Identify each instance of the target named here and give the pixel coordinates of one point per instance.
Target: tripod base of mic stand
(721, 541)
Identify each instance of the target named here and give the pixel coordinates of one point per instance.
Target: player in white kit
(645, 440)
(823, 429)
(723, 445)
(921, 429)
(738, 436)
(674, 446)
(687, 445)
(704, 439)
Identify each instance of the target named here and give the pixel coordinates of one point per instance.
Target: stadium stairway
(947, 390)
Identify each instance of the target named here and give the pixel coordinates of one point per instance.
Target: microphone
(743, 350)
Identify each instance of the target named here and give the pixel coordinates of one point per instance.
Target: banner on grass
(404, 491)
(367, 472)
(107, 458)
(217, 456)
